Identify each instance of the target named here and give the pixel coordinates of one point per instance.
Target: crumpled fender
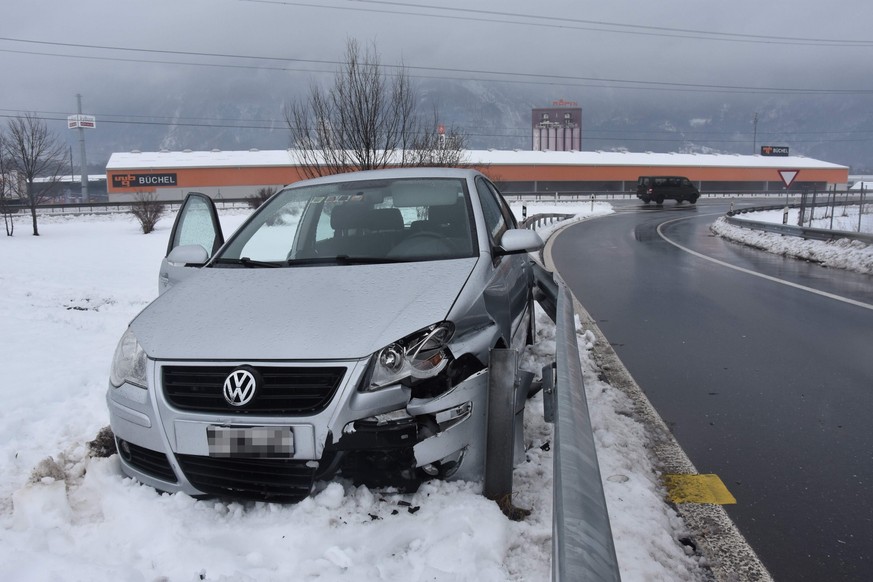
(461, 432)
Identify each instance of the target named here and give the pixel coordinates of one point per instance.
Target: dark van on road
(660, 188)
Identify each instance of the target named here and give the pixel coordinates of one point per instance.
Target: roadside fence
(821, 216)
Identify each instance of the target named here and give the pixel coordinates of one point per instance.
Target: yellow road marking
(697, 489)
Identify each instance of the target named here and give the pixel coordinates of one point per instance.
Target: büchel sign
(132, 180)
(774, 150)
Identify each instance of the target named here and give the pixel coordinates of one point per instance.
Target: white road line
(755, 273)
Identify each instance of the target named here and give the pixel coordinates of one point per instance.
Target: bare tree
(366, 120)
(437, 145)
(33, 152)
(261, 196)
(6, 190)
(147, 210)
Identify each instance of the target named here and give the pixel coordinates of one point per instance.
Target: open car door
(195, 237)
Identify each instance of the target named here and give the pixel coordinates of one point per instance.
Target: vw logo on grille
(240, 386)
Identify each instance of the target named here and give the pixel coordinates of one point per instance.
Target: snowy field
(847, 254)
(67, 514)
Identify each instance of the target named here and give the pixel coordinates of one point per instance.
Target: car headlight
(420, 355)
(129, 362)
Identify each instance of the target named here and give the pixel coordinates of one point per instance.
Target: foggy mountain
(833, 128)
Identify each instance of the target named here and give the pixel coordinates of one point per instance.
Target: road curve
(761, 365)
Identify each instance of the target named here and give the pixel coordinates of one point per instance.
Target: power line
(624, 136)
(478, 131)
(445, 72)
(574, 23)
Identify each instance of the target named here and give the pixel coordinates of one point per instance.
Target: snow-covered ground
(844, 253)
(66, 514)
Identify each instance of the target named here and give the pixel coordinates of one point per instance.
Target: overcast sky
(54, 49)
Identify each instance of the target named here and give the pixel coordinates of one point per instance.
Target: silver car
(343, 330)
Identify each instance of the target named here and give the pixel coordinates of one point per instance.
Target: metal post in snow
(860, 209)
(84, 176)
(812, 212)
(592, 203)
(802, 213)
(501, 416)
(833, 207)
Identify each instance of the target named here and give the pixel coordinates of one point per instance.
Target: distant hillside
(497, 115)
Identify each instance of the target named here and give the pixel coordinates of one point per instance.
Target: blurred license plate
(254, 442)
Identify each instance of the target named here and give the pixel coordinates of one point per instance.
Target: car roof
(390, 174)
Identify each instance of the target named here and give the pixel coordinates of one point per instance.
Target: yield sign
(788, 176)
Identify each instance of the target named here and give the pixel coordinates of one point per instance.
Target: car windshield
(354, 222)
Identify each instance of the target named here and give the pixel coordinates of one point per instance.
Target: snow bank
(846, 254)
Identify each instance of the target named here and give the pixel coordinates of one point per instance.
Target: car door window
(508, 216)
(197, 224)
(494, 218)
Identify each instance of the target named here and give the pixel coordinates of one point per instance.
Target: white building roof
(599, 158)
(264, 158)
(137, 160)
(73, 178)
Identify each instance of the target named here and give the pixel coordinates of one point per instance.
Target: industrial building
(238, 174)
(558, 128)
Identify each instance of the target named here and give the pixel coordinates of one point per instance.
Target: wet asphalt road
(766, 385)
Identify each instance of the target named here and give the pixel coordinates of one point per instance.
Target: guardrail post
(503, 384)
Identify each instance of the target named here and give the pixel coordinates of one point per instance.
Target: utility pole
(72, 173)
(84, 175)
(755, 136)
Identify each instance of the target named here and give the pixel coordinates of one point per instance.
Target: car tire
(659, 200)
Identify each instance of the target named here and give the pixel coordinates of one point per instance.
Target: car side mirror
(188, 256)
(519, 240)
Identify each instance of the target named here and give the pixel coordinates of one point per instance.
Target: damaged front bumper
(383, 438)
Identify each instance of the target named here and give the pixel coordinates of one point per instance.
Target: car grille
(265, 479)
(285, 390)
(151, 462)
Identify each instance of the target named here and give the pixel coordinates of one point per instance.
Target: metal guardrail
(538, 220)
(786, 229)
(582, 544)
(115, 207)
(585, 196)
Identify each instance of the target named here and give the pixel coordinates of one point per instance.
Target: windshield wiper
(247, 262)
(345, 260)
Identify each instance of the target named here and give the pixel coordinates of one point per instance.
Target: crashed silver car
(343, 331)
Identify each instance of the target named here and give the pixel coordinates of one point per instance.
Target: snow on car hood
(301, 313)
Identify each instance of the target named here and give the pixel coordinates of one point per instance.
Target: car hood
(301, 313)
